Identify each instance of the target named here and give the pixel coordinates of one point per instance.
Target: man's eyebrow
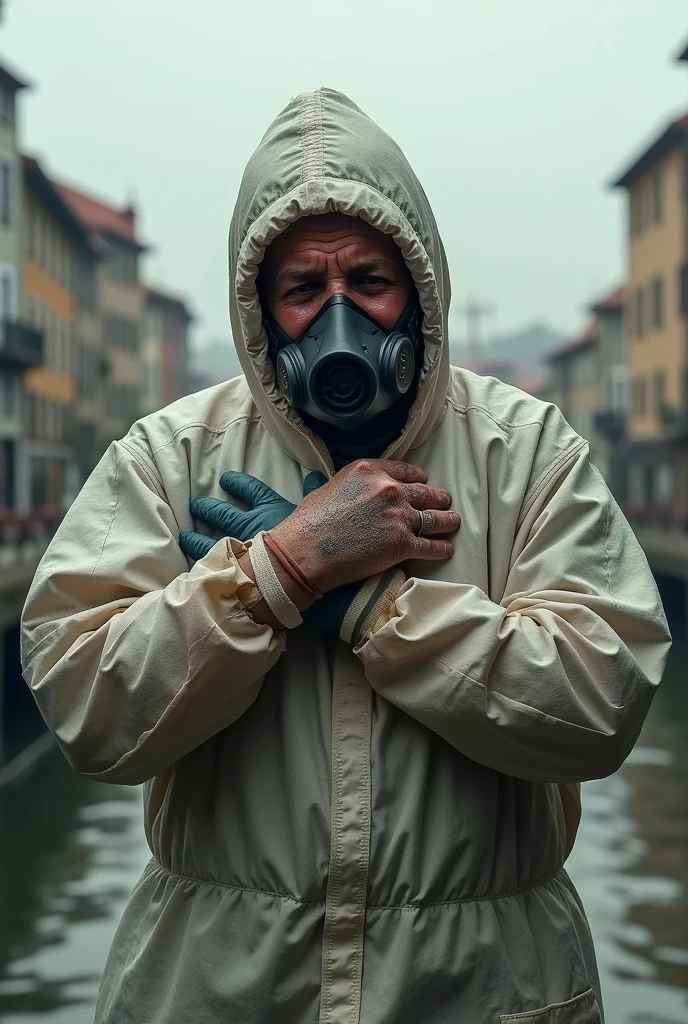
(363, 267)
(298, 276)
(370, 266)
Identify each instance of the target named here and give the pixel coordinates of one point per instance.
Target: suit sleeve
(553, 682)
(133, 659)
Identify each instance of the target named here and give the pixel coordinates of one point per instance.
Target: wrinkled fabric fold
(124, 650)
(552, 682)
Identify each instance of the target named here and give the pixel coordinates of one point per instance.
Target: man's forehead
(328, 232)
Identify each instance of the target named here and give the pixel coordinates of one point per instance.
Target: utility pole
(474, 313)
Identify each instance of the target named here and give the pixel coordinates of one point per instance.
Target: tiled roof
(532, 384)
(615, 299)
(672, 136)
(160, 295)
(586, 337)
(45, 189)
(98, 215)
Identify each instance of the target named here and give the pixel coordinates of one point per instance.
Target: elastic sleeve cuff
(279, 603)
(224, 556)
(372, 606)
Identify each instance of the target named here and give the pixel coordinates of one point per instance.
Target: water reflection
(631, 866)
(70, 851)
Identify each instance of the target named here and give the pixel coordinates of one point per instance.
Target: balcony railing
(671, 518)
(674, 418)
(21, 346)
(611, 423)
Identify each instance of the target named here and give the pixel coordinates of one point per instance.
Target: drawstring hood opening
(322, 154)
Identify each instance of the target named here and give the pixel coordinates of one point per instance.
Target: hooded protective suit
(339, 835)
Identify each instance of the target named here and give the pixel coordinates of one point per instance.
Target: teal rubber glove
(266, 509)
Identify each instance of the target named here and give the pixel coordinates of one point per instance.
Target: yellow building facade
(657, 325)
(55, 247)
(656, 184)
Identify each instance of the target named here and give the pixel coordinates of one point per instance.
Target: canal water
(70, 851)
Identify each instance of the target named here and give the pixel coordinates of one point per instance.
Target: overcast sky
(514, 113)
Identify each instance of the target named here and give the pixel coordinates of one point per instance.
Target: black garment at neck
(371, 440)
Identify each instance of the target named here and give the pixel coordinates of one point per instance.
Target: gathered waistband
(154, 867)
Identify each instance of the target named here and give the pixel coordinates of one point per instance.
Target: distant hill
(522, 349)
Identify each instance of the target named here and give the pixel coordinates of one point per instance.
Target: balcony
(21, 346)
(611, 423)
(674, 420)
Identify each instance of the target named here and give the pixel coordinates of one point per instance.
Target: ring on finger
(426, 521)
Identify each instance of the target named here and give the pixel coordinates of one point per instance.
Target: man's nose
(338, 286)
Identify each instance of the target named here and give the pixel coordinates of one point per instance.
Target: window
(8, 397)
(88, 371)
(5, 193)
(6, 292)
(657, 302)
(40, 418)
(66, 342)
(634, 212)
(121, 333)
(583, 369)
(57, 346)
(683, 289)
(659, 392)
(86, 284)
(153, 323)
(6, 105)
(47, 250)
(639, 396)
(67, 357)
(637, 313)
(617, 387)
(123, 263)
(657, 196)
(664, 485)
(29, 230)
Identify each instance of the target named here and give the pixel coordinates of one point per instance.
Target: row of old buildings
(85, 346)
(622, 382)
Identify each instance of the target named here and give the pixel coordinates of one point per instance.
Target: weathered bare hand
(364, 520)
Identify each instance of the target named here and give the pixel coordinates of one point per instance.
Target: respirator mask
(346, 368)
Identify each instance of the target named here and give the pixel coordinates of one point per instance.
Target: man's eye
(302, 289)
(372, 280)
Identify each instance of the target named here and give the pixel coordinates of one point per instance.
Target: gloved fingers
(195, 544)
(218, 513)
(313, 481)
(248, 488)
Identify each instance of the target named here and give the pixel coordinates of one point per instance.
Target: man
(360, 728)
